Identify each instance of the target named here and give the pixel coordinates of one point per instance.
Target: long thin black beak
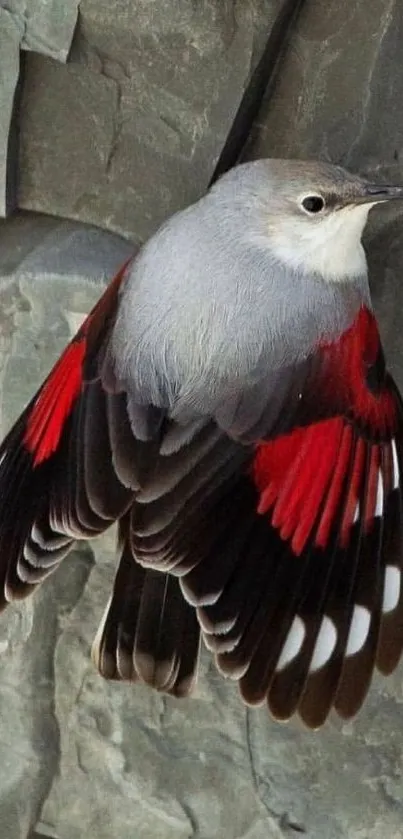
(375, 193)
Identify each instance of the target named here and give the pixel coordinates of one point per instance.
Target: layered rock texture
(113, 116)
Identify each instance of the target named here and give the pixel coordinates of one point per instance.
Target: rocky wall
(120, 111)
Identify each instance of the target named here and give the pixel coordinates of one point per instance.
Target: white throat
(330, 247)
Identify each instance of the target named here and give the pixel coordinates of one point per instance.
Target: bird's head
(313, 214)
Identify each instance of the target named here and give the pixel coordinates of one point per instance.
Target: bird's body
(194, 327)
(227, 401)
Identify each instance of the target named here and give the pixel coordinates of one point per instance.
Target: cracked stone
(47, 26)
(336, 94)
(151, 90)
(10, 36)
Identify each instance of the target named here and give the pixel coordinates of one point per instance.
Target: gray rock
(10, 36)
(338, 90)
(47, 26)
(28, 726)
(41, 306)
(47, 286)
(141, 112)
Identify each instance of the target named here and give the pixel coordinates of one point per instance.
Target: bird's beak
(376, 193)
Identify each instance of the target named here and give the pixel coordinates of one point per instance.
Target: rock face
(151, 90)
(10, 40)
(123, 134)
(46, 26)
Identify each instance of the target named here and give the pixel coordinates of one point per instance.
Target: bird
(227, 402)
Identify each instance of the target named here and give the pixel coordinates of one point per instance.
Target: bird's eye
(313, 203)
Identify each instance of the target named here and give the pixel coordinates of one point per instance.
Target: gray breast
(209, 319)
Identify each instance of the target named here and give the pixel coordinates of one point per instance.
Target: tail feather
(148, 632)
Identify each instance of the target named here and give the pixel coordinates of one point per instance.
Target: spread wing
(69, 468)
(291, 551)
(277, 535)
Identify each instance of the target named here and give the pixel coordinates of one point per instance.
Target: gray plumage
(210, 318)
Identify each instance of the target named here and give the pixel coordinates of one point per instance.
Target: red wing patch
(296, 472)
(318, 477)
(54, 403)
(336, 467)
(63, 385)
(346, 365)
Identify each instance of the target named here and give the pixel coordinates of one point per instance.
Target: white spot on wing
(325, 644)
(395, 466)
(357, 513)
(391, 592)
(292, 643)
(359, 629)
(379, 496)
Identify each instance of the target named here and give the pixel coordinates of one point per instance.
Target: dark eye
(313, 203)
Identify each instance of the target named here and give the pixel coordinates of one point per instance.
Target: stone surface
(338, 91)
(47, 26)
(151, 90)
(10, 37)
